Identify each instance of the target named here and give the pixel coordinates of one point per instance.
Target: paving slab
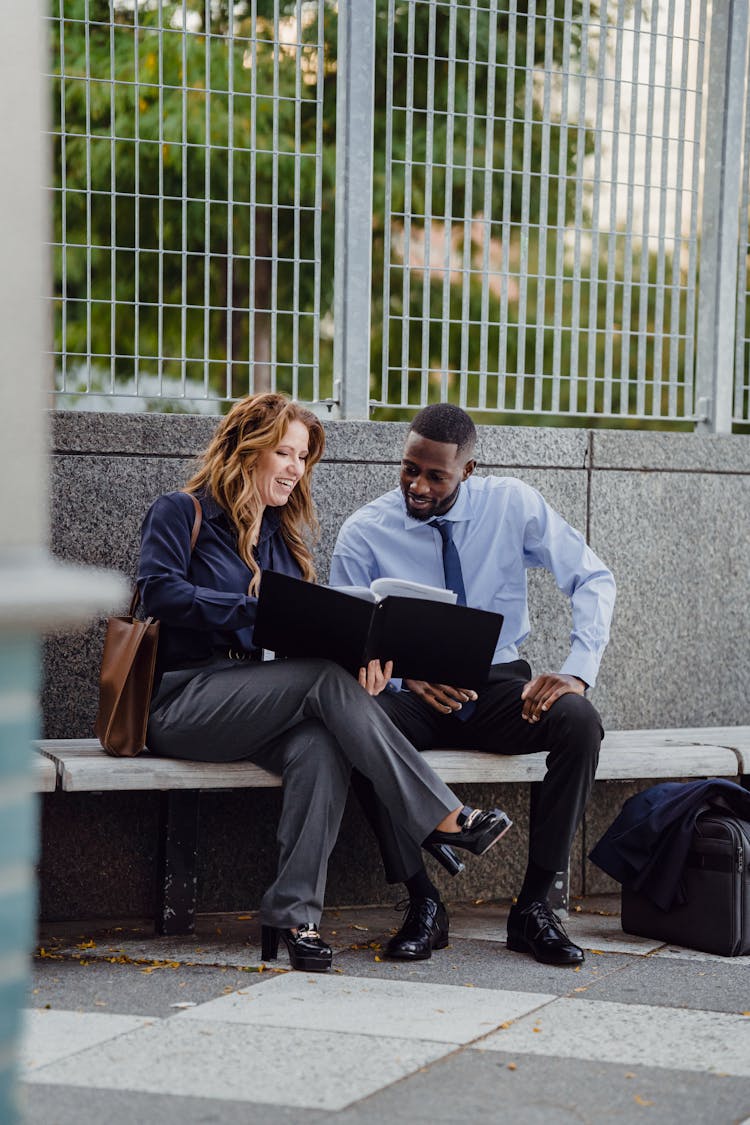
(718, 985)
(483, 964)
(488, 1086)
(632, 1034)
(72, 1105)
(679, 953)
(379, 1008)
(590, 930)
(240, 1062)
(50, 1036)
(129, 989)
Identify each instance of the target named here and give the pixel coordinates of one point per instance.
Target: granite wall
(668, 512)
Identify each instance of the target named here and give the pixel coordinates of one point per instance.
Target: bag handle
(198, 520)
(138, 634)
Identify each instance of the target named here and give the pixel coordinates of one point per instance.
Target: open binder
(425, 639)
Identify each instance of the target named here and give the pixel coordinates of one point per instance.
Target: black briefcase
(716, 916)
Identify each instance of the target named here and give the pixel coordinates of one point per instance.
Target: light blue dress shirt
(503, 528)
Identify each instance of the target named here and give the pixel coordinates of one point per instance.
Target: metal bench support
(559, 896)
(177, 863)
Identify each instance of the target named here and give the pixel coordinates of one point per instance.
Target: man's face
(431, 472)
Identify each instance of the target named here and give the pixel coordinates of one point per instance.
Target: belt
(236, 654)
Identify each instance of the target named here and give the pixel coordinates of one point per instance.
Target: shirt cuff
(582, 666)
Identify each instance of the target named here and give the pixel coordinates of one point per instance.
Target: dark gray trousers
(571, 733)
(310, 722)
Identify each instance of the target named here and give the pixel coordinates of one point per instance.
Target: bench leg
(176, 864)
(559, 896)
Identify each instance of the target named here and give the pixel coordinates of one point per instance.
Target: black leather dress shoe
(424, 928)
(478, 831)
(537, 930)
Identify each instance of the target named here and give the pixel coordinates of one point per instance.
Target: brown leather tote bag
(126, 678)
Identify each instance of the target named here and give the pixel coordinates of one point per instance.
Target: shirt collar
(213, 511)
(460, 512)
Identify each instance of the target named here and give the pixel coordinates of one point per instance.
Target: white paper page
(363, 592)
(401, 588)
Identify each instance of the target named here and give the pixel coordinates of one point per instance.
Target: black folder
(426, 640)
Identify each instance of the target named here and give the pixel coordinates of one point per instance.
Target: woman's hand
(375, 676)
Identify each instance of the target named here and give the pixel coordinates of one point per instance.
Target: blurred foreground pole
(35, 593)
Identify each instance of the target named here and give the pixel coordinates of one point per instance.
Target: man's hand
(541, 692)
(441, 697)
(375, 676)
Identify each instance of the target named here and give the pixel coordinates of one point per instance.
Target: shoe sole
(311, 966)
(441, 943)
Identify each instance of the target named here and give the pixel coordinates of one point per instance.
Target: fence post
(34, 591)
(355, 89)
(717, 299)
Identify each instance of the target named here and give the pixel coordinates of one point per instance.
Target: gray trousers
(310, 722)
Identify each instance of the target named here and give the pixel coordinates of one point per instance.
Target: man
(490, 530)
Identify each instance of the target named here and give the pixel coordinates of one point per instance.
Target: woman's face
(278, 470)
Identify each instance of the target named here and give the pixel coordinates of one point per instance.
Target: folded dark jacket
(646, 846)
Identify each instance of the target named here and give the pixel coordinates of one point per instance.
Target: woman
(215, 699)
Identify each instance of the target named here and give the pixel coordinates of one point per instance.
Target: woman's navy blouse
(201, 600)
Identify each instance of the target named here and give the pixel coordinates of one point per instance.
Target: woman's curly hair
(256, 424)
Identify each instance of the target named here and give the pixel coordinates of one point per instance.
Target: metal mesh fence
(537, 207)
(741, 405)
(539, 249)
(187, 200)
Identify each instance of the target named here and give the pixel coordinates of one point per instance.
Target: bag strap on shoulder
(197, 521)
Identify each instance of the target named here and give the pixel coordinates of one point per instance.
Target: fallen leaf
(630, 1074)
(506, 1024)
(642, 1101)
(598, 952)
(244, 917)
(377, 958)
(86, 945)
(581, 988)
(536, 1030)
(512, 1066)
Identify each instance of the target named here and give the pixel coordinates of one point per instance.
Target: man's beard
(435, 511)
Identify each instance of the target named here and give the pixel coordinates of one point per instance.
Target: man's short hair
(445, 422)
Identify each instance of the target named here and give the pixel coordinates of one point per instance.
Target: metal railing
(187, 199)
(521, 223)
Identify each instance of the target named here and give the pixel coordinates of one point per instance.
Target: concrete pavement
(126, 1028)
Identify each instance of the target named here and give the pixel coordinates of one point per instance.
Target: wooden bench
(80, 765)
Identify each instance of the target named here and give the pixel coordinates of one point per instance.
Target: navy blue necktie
(454, 580)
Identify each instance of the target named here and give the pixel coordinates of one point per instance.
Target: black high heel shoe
(478, 831)
(307, 950)
(445, 856)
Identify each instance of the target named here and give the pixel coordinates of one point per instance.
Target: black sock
(419, 886)
(536, 885)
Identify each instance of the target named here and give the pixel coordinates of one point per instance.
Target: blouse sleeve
(166, 589)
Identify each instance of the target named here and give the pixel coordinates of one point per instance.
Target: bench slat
(696, 752)
(45, 774)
